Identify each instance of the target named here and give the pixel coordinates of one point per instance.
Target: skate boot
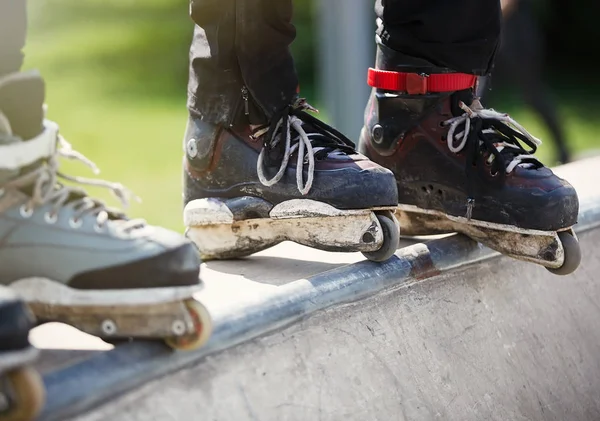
(248, 188)
(463, 168)
(22, 392)
(71, 258)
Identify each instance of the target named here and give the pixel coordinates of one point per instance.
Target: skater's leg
(520, 61)
(260, 169)
(452, 157)
(543, 103)
(13, 26)
(462, 35)
(523, 58)
(121, 271)
(241, 44)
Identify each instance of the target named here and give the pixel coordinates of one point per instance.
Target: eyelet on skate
(50, 217)
(99, 228)
(75, 223)
(25, 211)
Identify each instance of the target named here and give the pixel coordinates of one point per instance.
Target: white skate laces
(494, 132)
(320, 139)
(308, 155)
(42, 184)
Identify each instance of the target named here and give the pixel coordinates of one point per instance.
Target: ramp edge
(95, 381)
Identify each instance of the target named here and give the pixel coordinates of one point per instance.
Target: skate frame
(308, 222)
(535, 246)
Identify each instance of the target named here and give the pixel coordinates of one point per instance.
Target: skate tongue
(22, 103)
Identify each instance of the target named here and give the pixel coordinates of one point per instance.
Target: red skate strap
(415, 84)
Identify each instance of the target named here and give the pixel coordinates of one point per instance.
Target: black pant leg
(241, 43)
(462, 35)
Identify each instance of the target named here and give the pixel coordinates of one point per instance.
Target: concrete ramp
(445, 330)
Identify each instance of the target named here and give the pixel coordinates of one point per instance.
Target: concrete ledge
(247, 312)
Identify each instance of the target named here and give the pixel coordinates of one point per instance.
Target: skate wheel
(572, 254)
(391, 238)
(202, 324)
(27, 395)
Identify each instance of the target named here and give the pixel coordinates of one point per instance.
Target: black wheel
(391, 238)
(572, 254)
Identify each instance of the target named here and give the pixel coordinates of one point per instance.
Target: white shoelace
(46, 188)
(305, 154)
(476, 110)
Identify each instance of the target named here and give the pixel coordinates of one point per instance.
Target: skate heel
(222, 229)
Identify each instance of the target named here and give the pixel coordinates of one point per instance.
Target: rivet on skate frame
(368, 238)
(109, 327)
(178, 328)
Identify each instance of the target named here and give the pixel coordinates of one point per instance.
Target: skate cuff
(21, 154)
(419, 84)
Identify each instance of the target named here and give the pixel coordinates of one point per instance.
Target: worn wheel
(25, 395)
(572, 254)
(391, 238)
(202, 325)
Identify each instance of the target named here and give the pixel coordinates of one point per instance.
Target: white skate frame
(212, 227)
(519, 243)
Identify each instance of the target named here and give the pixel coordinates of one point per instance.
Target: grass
(116, 74)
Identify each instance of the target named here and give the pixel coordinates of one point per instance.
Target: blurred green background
(116, 73)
